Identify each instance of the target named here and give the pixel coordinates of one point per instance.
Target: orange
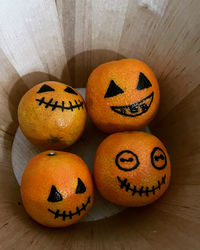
(52, 115)
(122, 95)
(57, 188)
(132, 168)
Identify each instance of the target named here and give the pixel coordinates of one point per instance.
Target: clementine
(52, 115)
(57, 188)
(122, 95)
(132, 168)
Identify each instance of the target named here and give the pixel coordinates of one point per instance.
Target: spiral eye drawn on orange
(126, 160)
(158, 158)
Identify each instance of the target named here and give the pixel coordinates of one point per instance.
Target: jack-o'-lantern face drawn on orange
(52, 115)
(122, 95)
(134, 109)
(55, 196)
(57, 188)
(138, 167)
(158, 161)
(47, 101)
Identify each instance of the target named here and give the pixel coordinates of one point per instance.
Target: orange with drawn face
(132, 168)
(52, 115)
(57, 189)
(122, 95)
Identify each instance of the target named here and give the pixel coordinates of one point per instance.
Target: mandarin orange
(52, 115)
(57, 188)
(132, 168)
(122, 95)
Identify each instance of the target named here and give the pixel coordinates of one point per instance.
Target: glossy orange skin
(125, 74)
(61, 170)
(106, 171)
(52, 129)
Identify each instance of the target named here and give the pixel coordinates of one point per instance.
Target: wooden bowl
(65, 40)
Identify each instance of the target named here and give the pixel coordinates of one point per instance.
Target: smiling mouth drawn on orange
(142, 190)
(135, 109)
(70, 213)
(62, 107)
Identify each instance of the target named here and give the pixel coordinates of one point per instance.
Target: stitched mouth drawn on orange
(134, 109)
(56, 105)
(70, 214)
(124, 184)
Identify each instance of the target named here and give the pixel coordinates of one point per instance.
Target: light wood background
(65, 40)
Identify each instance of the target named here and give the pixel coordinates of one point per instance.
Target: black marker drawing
(70, 214)
(158, 158)
(70, 90)
(113, 90)
(124, 184)
(55, 104)
(45, 88)
(143, 82)
(126, 160)
(54, 195)
(134, 109)
(80, 187)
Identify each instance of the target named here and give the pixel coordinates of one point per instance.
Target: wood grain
(180, 130)
(66, 40)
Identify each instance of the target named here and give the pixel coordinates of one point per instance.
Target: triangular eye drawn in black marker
(45, 88)
(80, 187)
(143, 82)
(70, 90)
(54, 195)
(113, 90)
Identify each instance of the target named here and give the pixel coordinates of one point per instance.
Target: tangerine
(122, 95)
(52, 115)
(132, 168)
(57, 188)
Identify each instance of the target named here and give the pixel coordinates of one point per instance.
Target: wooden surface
(65, 40)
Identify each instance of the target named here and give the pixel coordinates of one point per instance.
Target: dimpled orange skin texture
(125, 73)
(106, 170)
(61, 170)
(51, 128)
